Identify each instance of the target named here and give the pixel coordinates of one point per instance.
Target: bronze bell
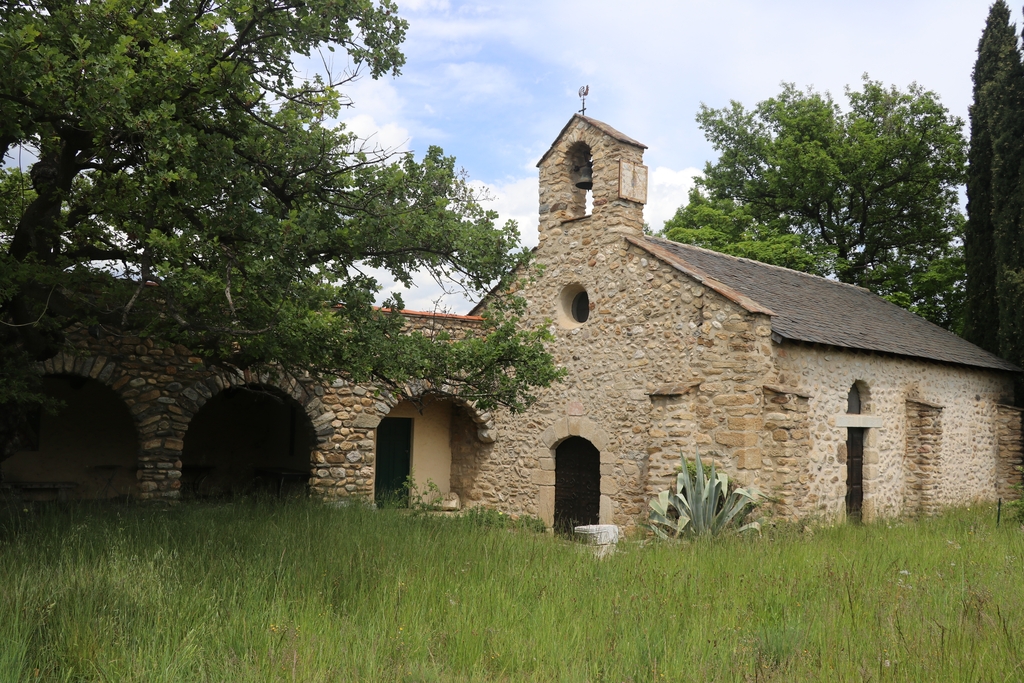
(586, 181)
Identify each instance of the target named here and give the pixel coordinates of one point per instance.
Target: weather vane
(584, 91)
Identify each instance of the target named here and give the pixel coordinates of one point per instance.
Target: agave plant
(700, 505)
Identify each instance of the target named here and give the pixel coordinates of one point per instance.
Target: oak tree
(169, 172)
(867, 195)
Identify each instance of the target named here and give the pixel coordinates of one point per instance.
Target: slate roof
(814, 309)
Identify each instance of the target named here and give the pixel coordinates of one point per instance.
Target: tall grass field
(299, 591)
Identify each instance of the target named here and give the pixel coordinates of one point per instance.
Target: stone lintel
(847, 420)
(927, 404)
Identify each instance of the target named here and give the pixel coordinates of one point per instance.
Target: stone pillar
(347, 416)
(787, 444)
(1008, 450)
(921, 459)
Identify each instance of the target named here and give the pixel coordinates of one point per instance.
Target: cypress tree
(1007, 135)
(997, 54)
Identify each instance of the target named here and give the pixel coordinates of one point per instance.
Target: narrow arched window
(853, 401)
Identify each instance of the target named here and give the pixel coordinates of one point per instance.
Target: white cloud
(376, 98)
(667, 190)
(516, 200)
(474, 82)
(426, 294)
(389, 136)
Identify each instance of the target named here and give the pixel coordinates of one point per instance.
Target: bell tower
(591, 156)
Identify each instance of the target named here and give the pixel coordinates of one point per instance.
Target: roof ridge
(762, 263)
(810, 308)
(593, 123)
(895, 307)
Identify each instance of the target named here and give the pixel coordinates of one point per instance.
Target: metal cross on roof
(584, 91)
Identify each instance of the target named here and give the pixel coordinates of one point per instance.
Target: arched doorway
(244, 439)
(854, 458)
(414, 446)
(577, 484)
(88, 449)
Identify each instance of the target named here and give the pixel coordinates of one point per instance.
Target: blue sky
(494, 82)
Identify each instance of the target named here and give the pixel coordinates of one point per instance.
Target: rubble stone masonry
(939, 428)
(665, 364)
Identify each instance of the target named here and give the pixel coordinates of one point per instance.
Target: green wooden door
(394, 446)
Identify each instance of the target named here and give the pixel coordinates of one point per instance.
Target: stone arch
(552, 437)
(578, 157)
(864, 394)
(577, 483)
(446, 446)
(87, 450)
(344, 465)
(858, 453)
(306, 393)
(854, 456)
(484, 420)
(162, 407)
(248, 434)
(575, 426)
(159, 435)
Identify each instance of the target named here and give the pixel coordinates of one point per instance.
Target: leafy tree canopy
(179, 179)
(868, 195)
(728, 226)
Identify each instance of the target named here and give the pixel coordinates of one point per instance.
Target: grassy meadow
(297, 591)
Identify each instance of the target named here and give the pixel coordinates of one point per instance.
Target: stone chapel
(823, 396)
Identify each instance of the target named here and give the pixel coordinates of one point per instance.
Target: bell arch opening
(87, 450)
(580, 164)
(245, 439)
(577, 484)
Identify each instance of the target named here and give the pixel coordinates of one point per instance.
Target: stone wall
(165, 385)
(1008, 431)
(469, 455)
(649, 326)
(970, 448)
(343, 464)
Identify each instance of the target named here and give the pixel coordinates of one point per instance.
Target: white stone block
(599, 534)
(847, 420)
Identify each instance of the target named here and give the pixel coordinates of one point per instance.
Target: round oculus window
(580, 307)
(573, 307)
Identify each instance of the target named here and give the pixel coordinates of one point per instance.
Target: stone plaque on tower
(632, 181)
